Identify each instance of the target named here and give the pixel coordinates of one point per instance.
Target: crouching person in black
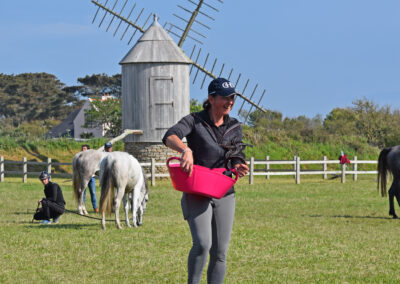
(53, 205)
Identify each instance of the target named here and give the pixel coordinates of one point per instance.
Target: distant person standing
(343, 158)
(53, 205)
(108, 147)
(92, 186)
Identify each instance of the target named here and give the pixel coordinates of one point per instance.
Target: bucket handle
(235, 173)
(226, 164)
(172, 158)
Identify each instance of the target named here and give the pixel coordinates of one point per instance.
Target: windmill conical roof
(155, 45)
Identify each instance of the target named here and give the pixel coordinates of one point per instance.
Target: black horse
(389, 162)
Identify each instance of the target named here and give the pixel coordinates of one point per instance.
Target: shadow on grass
(350, 216)
(31, 212)
(60, 226)
(69, 211)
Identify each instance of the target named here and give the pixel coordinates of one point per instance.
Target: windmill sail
(198, 61)
(195, 21)
(123, 19)
(196, 57)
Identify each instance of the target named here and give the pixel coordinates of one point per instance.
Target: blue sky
(311, 55)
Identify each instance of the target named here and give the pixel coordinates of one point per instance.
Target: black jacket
(208, 149)
(53, 193)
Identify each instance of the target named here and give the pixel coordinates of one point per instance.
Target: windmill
(156, 72)
(196, 16)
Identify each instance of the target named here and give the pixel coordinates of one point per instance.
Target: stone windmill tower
(156, 75)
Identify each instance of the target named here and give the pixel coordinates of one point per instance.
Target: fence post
(251, 176)
(49, 165)
(343, 176)
(325, 168)
(297, 170)
(153, 172)
(294, 166)
(24, 170)
(267, 167)
(355, 168)
(1, 169)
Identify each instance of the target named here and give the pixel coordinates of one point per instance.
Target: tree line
(32, 97)
(365, 122)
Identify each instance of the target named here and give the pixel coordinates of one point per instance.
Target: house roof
(66, 127)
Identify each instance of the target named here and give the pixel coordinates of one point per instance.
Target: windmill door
(162, 102)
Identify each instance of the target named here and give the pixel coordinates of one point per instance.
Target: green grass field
(315, 232)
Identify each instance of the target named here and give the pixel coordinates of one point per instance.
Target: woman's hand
(187, 161)
(176, 144)
(241, 169)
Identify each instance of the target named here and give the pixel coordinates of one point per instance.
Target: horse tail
(383, 170)
(76, 179)
(107, 186)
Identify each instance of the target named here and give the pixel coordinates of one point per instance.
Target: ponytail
(206, 104)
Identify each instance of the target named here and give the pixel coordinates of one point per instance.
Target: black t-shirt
(53, 193)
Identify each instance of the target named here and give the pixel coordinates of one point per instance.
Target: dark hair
(85, 145)
(206, 104)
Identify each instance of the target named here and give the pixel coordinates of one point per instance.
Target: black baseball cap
(108, 145)
(221, 87)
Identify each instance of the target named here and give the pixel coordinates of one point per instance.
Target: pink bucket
(203, 181)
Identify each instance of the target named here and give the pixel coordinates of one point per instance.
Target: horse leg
(81, 205)
(103, 220)
(135, 203)
(391, 206)
(126, 207)
(392, 194)
(117, 203)
(140, 215)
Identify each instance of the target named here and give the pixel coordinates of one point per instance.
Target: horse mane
(383, 171)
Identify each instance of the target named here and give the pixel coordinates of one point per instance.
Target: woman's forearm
(175, 143)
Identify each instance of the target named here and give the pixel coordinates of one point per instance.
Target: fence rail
(296, 171)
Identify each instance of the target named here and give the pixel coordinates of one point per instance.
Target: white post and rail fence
(257, 168)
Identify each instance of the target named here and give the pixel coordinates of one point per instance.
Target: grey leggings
(210, 221)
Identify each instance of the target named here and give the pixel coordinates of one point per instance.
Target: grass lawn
(316, 232)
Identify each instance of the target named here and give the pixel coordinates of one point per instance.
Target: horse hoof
(395, 216)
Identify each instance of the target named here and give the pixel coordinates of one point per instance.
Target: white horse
(122, 171)
(84, 165)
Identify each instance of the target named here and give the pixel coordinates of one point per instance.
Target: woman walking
(209, 133)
